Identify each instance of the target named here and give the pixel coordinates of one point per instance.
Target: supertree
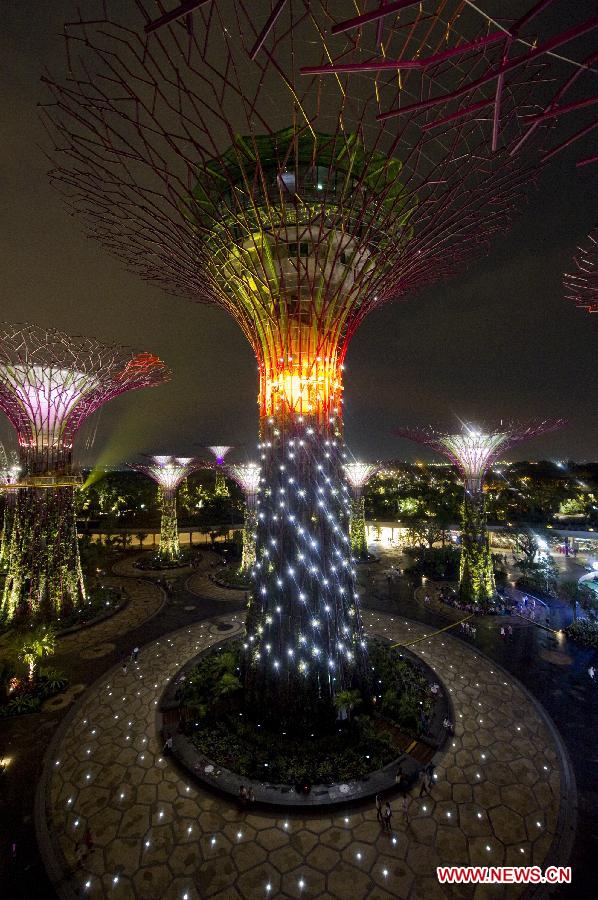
(50, 382)
(581, 286)
(168, 472)
(248, 477)
(358, 474)
(9, 474)
(224, 153)
(473, 452)
(220, 451)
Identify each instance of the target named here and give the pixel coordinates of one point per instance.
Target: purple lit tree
(248, 477)
(50, 382)
(581, 285)
(299, 172)
(473, 452)
(168, 472)
(358, 474)
(9, 475)
(220, 452)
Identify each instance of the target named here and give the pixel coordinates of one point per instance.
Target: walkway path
(503, 796)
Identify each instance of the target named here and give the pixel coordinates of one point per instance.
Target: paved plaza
(504, 795)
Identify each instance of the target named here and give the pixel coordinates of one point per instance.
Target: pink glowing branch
(557, 41)
(426, 62)
(178, 12)
(373, 16)
(270, 23)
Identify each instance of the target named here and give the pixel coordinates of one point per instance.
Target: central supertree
(50, 382)
(473, 452)
(275, 164)
(220, 452)
(358, 474)
(248, 477)
(168, 472)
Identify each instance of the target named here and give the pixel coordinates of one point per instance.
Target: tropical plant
(33, 645)
(348, 700)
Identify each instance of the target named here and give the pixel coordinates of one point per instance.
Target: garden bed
(230, 577)
(219, 738)
(153, 563)
(24, 698)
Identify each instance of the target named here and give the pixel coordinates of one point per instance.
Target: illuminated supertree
(220, 451)
(248, 477)
(224, 153)
(581, 286)
(50, 382)
(358, 474)
(168, 472)
(473, 452)
(9, 475)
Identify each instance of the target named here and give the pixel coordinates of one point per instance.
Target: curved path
(504, 795)
(145, 600)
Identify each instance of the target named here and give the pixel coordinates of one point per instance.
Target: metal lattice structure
(50, 382)
(201, 147)
(581, 285)
(358, 474)
(168, 472)
(473, 451)
(248, 477)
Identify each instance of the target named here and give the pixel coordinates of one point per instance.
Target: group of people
(404, 783)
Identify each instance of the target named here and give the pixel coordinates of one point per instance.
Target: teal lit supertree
(50, 382)
(168, 472)
(473, 451)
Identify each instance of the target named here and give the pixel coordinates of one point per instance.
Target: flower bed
(24, 697)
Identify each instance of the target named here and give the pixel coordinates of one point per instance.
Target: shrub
(583, 632)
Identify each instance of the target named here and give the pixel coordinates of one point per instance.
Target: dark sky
(497, 342)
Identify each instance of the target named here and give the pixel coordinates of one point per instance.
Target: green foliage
(20, 705)
(31, 646)
(437, 563)
(213, 694)
(583, 632)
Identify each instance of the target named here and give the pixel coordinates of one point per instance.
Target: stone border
(558, 853)
(269, 795)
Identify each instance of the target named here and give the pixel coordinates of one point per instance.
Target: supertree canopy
(581, 285)
(168, 472)
(292, 169)
(50, 382)
(473, 451)
(248, 477)
(220, 451)
(9, 476)
(358, 474)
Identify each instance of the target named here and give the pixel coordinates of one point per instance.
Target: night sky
(496, 342)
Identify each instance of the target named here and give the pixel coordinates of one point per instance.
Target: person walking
(135, 654)
(502, 631)
(406, 809)
(592, 672)
(125, 661)
(387, 817)
(379, 816)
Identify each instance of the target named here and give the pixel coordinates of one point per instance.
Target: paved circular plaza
(504, 796)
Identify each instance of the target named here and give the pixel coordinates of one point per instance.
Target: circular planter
(270, 794)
